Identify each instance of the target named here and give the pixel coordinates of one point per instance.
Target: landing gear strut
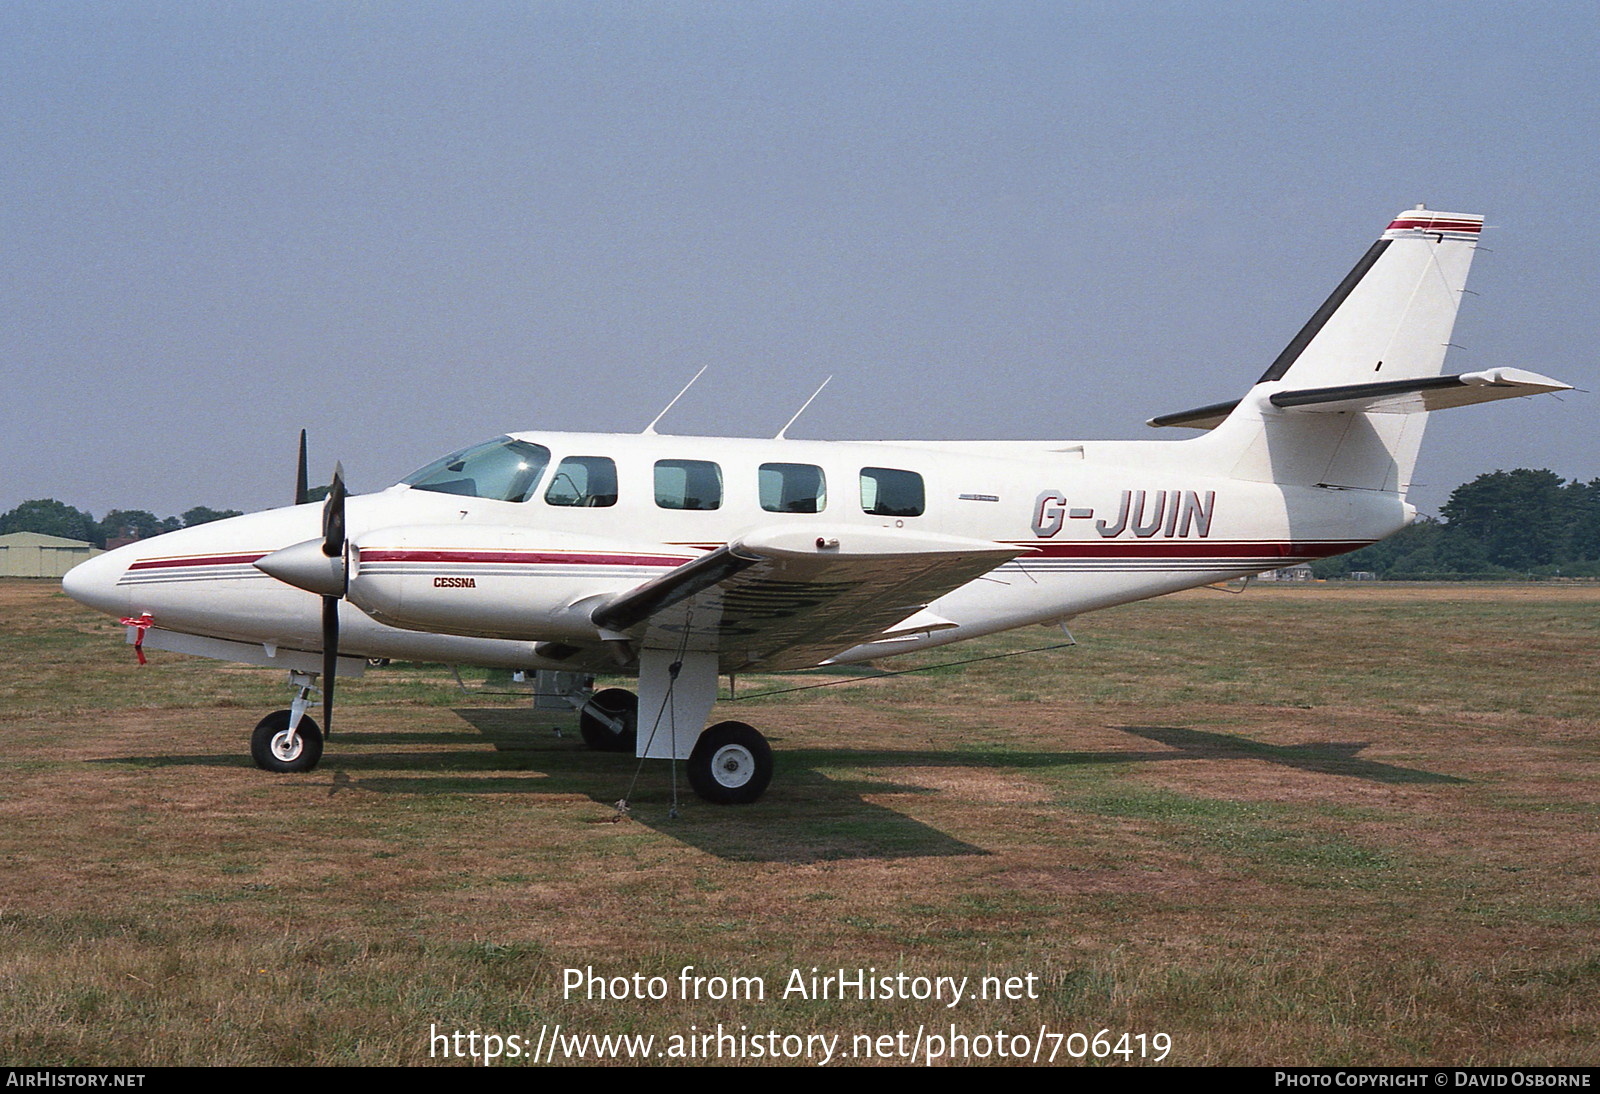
(729, 763)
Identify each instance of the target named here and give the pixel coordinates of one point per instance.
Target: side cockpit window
(886, 492)
(792, 488)
(688, 484)
(501, 470)
(588, 481)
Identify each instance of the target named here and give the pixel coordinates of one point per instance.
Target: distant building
(1298, 572)
(34, 554)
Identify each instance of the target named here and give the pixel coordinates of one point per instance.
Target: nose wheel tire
(731, 764)
(613, 703)
(273, 749)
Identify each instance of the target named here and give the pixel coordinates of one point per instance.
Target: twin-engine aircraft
(681, 559)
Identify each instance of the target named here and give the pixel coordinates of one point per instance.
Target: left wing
(786, 599)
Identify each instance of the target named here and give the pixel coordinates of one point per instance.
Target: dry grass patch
(1319, 825)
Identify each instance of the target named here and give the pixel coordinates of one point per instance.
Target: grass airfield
(1304, 825)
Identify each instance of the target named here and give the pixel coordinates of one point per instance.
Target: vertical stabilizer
(1391, 317)
(1389, 320)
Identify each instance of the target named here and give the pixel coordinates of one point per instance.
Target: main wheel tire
(731, 764)
(614, 703)
(272, 750)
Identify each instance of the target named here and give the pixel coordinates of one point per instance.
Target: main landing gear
(729, 763)
(609, 721)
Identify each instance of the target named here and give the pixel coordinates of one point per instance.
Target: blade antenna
(301, 486)
(650, 430)
(802, 410)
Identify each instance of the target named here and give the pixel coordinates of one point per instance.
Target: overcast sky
(408, 227)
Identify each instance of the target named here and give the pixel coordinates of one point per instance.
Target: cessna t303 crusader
(681, 559)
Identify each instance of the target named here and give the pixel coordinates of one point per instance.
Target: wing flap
(790, 599)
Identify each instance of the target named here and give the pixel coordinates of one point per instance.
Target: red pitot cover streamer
(143, 623)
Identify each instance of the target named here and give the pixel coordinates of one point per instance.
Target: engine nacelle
(496, 580)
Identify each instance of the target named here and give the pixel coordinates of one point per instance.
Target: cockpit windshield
(502, 470)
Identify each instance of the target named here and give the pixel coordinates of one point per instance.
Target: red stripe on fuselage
(1191, 549)
(534, 557)
(195, 560)
(1108, 549)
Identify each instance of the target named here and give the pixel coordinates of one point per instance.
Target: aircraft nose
(93, 583)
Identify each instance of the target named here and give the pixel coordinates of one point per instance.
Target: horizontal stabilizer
(1386, 396)
(1201, 417)
(1415, 396)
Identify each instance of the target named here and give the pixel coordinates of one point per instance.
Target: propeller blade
(334, 547)
(302, 487)
(330, 659)
(333, 515)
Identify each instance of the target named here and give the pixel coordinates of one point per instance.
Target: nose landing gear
(275, 747)
(286, 740)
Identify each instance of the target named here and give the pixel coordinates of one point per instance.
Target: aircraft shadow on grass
(1323, 757)
(827, 817)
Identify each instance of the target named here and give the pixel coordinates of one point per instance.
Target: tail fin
(1391, 317)
(1345, 403)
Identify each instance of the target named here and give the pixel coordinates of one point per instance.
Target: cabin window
(792, 488)
(688, 484)
(501, 470)
(588, 481)
(886, 492)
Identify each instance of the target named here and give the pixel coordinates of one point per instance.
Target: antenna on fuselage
(302, 488)
(650, 430)
(802, 409)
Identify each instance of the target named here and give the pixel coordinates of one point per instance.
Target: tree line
(1503, 524)
(57, 518)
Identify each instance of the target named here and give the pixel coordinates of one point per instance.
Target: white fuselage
(451, 577)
